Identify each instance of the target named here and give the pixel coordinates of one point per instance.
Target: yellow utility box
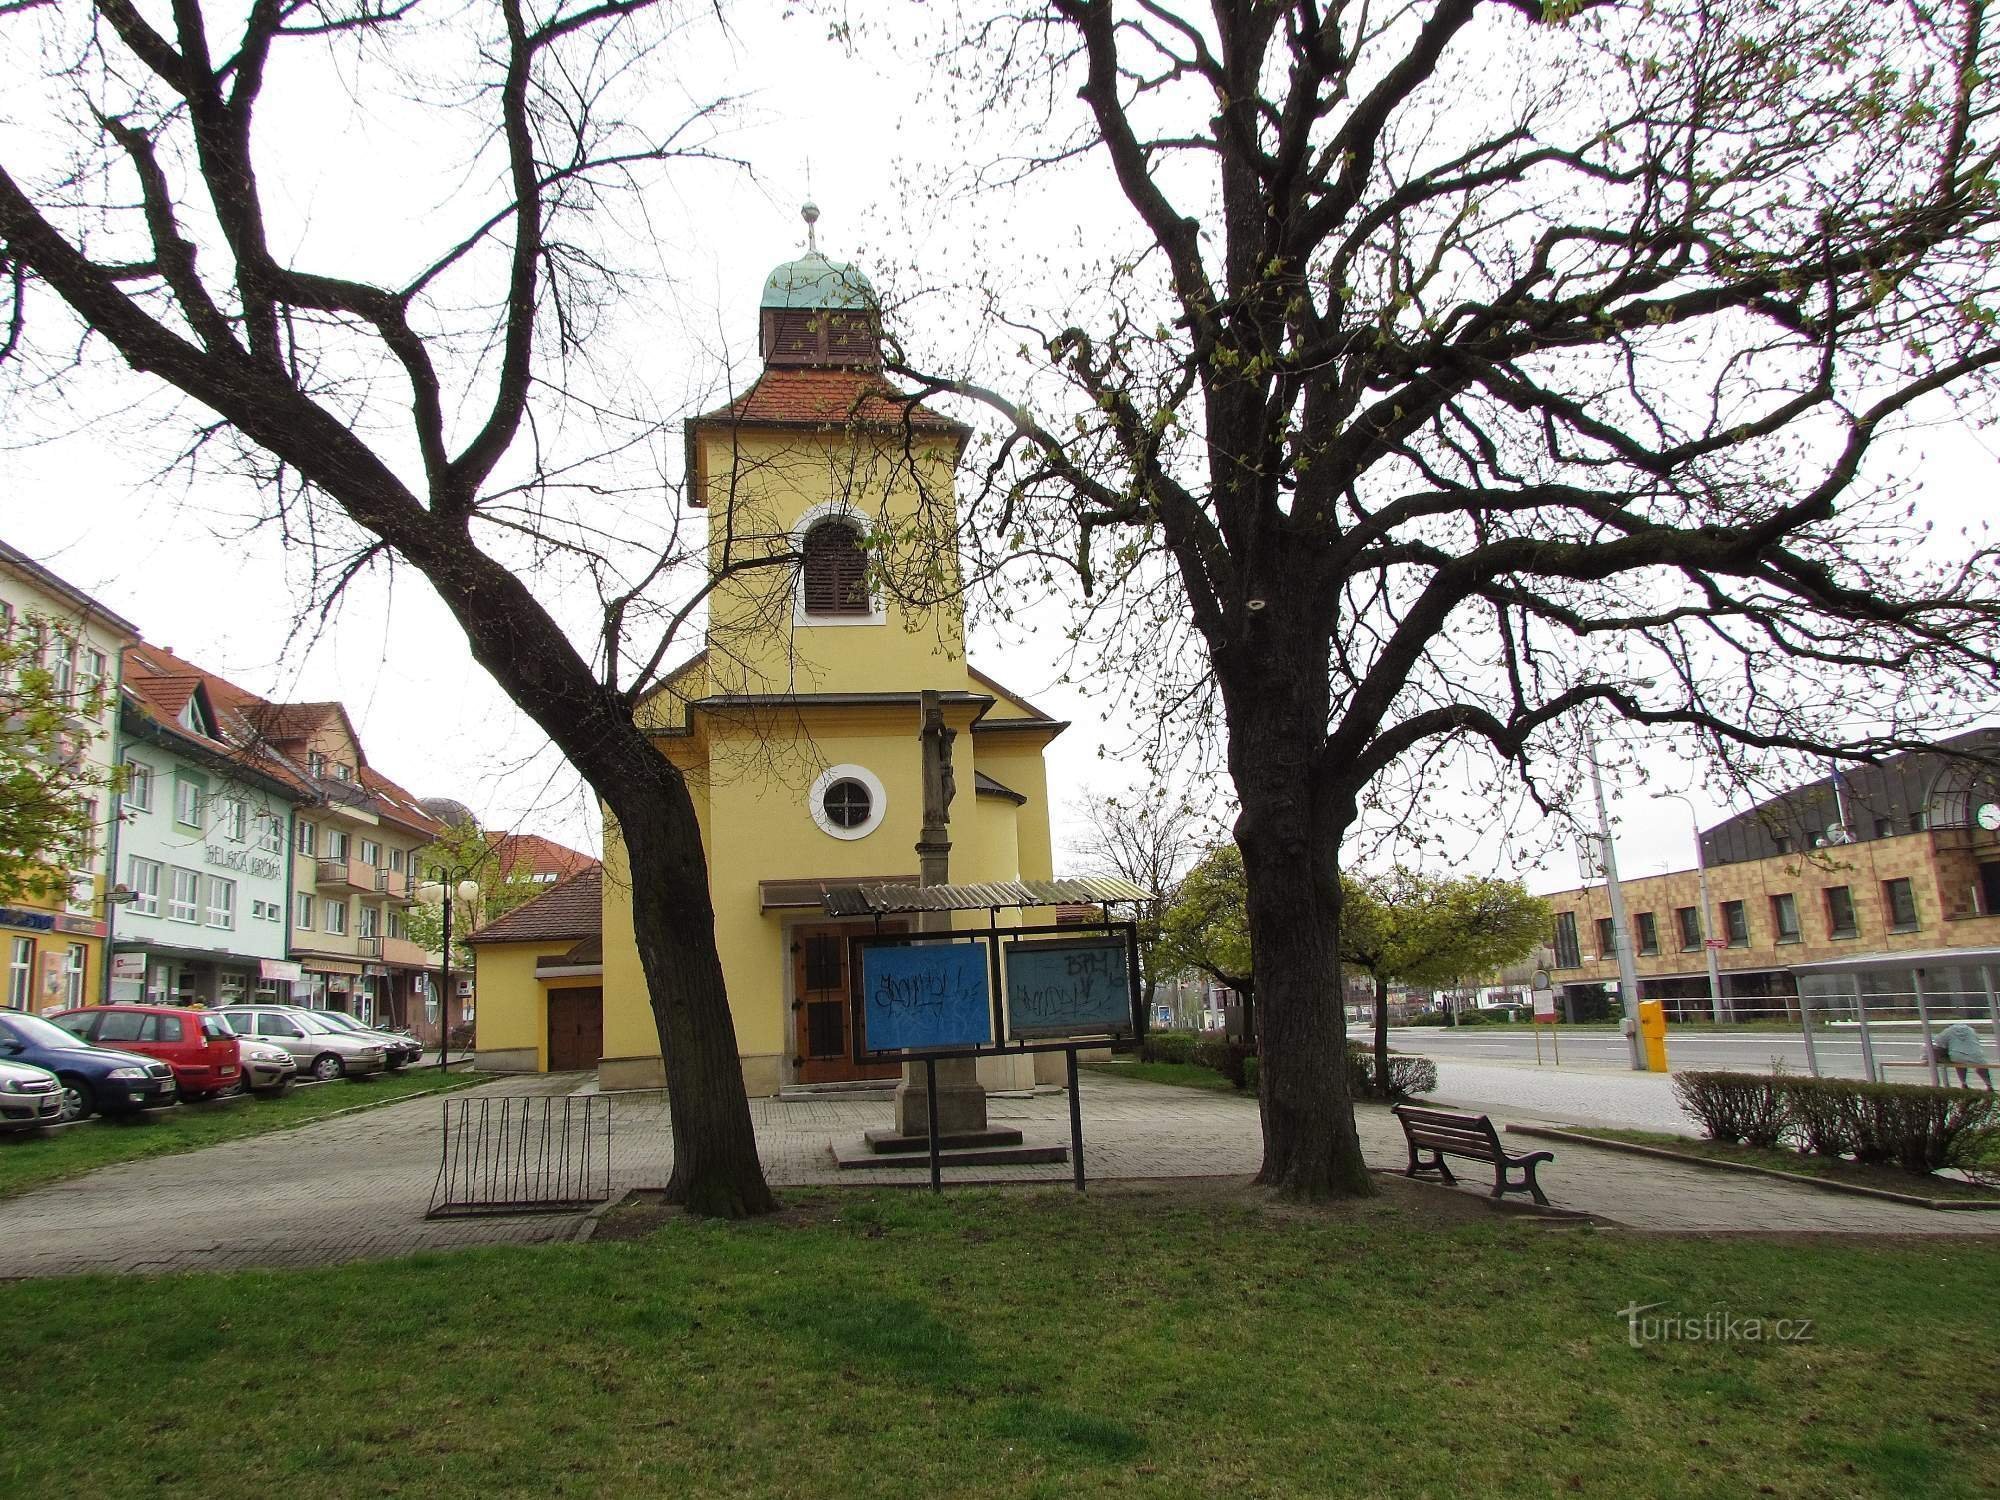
(1653, 1032)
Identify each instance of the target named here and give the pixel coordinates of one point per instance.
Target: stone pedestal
(961, 1102)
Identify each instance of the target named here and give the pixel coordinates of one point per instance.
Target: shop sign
(34, 921)
(279, 968)
(128, 966)
(243, 861)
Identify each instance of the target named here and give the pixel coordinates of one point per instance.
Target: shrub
(1250, 1068)
(1407, 1075)
(1920, 1128)
(1732, 1107)
(1169, 1047)
(1470, 1017)
(1821, 1116)
(1225, 1057)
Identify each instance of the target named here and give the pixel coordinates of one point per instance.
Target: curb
(1825, 1184)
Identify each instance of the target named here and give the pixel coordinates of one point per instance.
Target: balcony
(348, 874)
(402, 951)
(368, 947)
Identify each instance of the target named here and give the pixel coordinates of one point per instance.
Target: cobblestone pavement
(357, 1187)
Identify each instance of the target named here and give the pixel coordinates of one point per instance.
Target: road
(1838, 1048)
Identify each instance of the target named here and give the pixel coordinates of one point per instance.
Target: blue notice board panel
(925, 995)
(1071, 987)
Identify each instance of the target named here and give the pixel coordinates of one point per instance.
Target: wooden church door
(822, 1008)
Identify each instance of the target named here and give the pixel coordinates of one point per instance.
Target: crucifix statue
(939, 785)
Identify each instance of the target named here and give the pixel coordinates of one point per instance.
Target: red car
(196, 1045)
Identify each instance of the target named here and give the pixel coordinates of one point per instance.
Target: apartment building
(53, 946)
(354, 869)
(205, 819)
(1852, 871)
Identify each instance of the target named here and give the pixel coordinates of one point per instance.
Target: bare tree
(426, 414)
(1478, 372)
(1150, 838)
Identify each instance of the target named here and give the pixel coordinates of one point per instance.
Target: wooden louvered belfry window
(836, 570)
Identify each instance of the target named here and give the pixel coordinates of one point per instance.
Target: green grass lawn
(1185, 1075)
(33, 1160)
(1892, 1179)
(1176, 1341)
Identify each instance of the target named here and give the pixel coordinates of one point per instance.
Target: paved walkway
(356, 1188)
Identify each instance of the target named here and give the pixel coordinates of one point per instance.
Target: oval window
(847, 803)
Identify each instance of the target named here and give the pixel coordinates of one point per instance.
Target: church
(834, 621)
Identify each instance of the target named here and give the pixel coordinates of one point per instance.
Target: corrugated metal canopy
(864, 900)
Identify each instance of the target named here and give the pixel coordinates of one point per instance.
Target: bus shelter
(1893, 1004)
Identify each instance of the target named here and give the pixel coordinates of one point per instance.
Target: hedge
(1914, 1126)
(1237, 1061)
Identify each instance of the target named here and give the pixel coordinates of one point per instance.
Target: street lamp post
(1701, 873)
(438, 895)
(1621, 937)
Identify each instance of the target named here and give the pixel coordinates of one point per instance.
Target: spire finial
(810, 213)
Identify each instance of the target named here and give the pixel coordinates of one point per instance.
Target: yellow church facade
(831, 520)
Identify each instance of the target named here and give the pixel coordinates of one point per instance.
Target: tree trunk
(716, 1169)
(1382, 1036)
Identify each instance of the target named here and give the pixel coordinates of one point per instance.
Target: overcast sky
(183, 563)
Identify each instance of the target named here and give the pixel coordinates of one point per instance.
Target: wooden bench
(1443, 1133)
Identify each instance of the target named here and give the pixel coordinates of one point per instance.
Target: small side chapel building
(798, 723)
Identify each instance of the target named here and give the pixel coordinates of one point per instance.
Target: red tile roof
(532, 854)
(570, 909)
(827, 398)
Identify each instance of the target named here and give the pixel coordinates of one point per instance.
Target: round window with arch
(847, 802)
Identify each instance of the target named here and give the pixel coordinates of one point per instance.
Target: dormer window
(835, 569)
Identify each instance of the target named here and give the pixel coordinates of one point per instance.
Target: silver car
(400, 1050)
(319, 1048)
(267, 1067)
(29, 1097)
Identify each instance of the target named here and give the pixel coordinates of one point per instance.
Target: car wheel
(327, 1067)
(79, 1099)
(196, 1096)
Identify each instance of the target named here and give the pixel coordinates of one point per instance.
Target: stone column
(961, 1100)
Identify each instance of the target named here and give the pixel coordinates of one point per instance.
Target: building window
(371, 854)
(1736, 924)
(143, 876)
(235, 819)
(1840, 920)
(306, 839)
(221, 902)
(187, 803)
(1919, 822)
(304, 920)
(1688, 920)
(1884, 828)
(62, 666)
(847, 802)
(1901, 899)
(336, 917)
(834, 573)
(315, 763)
(75, 962)
(270, 833)
(342, 771)
(396, 860)
(1607, 938)
(368, 921)
(336, 843)
(1647, 929)
(20, 972)
(1785, 918)
(395, 923)
(138, 786)
(90, 681)
(184, 899)
(1569, 954)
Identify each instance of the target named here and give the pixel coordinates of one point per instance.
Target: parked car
(320, 1048)
(198, 1047)
(94, 1079)
(267, 1067)
(400, 1051)
(29, 1097)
